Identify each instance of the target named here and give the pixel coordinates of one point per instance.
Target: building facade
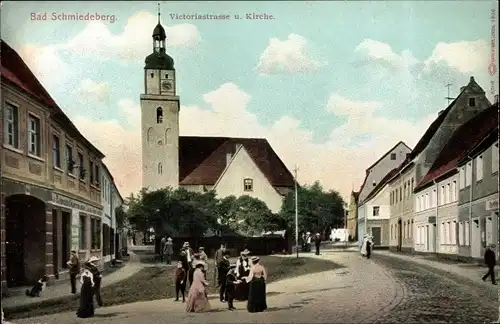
(51, 190)
(478, 198)
(468, 103)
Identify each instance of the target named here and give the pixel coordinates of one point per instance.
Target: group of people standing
(367, 246)
(243, 281)
(308, 239)
(90, 279)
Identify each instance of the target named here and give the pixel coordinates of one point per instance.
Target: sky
(331, 85)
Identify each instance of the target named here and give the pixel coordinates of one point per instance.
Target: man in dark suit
(490, 259)
(223, 269)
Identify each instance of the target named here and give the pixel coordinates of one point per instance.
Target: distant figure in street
(364, 245)
(218, 258)
(91, 265)
(308, 242)
(490, 260)
(369, 247)
(162, 247)
(317, 242)
(304, 242)
(74, 269)
(168, 250)
(86, 308)
(180, 281)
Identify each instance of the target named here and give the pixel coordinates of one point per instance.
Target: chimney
(471, 79)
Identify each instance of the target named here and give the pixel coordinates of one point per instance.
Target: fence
(235, 244)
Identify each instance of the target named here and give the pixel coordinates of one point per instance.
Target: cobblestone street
(384, 289)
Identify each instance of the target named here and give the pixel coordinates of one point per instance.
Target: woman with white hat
(197, 300)
(91, 265)
(242, 271)
(257, 287)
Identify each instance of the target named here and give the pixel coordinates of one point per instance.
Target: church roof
(203, 159)
(159, 32)
(15, 72)
(159, 61)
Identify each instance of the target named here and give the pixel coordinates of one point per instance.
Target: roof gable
(463, 140)
(202, 160)
(381, 185)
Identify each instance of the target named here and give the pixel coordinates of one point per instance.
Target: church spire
(158, 13)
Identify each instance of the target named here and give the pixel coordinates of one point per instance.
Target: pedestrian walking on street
(490, 259)
(74, 269)
(369, 247)
(364, 244)
(86, 308)
(317, 242)
(223, 269)
(91, 265)
(162, 249)
(168, 250)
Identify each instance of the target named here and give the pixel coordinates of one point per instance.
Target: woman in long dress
(257, 287)
(363, 245)
(86, 308)
(197, 300)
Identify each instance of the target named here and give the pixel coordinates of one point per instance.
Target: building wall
(476, 207)
(46, 175)
(243, 167)
(380, 170)
(401, 210)
(380, 200)
(160, 141)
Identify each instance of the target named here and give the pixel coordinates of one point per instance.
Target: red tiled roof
(381, 184)
(465, 138)
(16, 72)
(203, 159)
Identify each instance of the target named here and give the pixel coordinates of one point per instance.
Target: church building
(229, 166)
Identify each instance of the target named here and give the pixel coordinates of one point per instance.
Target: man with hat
(317, 242)
(91, 265)
(223, 269)
(74, 269)
(490, 260)
(242, 271)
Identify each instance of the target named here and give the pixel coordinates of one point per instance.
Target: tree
(318, 210)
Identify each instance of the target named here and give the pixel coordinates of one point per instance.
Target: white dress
(363, 246)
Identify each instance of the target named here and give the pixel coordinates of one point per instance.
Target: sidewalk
(467, 270)
(63, 290)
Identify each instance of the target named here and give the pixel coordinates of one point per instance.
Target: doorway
(475, 242)
(25, 239)
(65, 238)
(400, 234)
(55, 238)
(377, 236)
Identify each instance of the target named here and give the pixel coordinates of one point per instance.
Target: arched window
(160, 168)
(168, 136)
(159, 115)
(150, 135)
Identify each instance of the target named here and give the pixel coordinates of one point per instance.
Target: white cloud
(336, 163)
(287, 56)
(448, 62)
(93, 90)
(43, 61)
(134, 43)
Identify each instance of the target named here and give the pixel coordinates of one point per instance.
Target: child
(230, 282)
(180, 281)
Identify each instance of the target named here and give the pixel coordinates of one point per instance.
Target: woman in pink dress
(197, 300)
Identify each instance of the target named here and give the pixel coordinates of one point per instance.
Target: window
(427, 201)
(11, 125)
(451, 236)
(34, 141)
(460, 233)
(159, 115)
(472, 102)
(160, 168)
(479, 168)
(391, 198)
(91, 169)
(468, 173)
(453, 191)
(376, 211)
(442, 234)
(393, 156)
(248, 184)
(400, 194)
(404, 192)
(447, 194)
(152, 75)
(454, 233)
(56, 151)
(409, 189)
(96, 174)
(81, 166)
(434, 198)
(111, 241)
(494, 158)
(466, 234)
(411, 229)
(392, 233)
(81, 237)
(442, 200)
(412, 184)
(462, 177)
(70, 163)
(95, 226)
(404, 230)
(418, 204)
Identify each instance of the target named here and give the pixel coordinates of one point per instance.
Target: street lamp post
(296, 214)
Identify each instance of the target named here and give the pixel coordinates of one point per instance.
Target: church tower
(160, 117)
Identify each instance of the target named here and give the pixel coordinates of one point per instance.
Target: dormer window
(393, 156)
(159, 115)
(472, 102)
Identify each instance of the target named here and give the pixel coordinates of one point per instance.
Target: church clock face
(166, 85)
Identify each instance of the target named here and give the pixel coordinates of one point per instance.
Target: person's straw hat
(169, 239)
(245, 252)
(255, 259)
(186, 244)
(93, 259)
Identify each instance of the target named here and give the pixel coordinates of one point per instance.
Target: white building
(374, 213)
(230, 166)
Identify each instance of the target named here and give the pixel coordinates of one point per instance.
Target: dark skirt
(257, 295)
(86, 308)
(241, 291)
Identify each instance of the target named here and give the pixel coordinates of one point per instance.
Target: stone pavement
(360, 292)
(63, 289)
